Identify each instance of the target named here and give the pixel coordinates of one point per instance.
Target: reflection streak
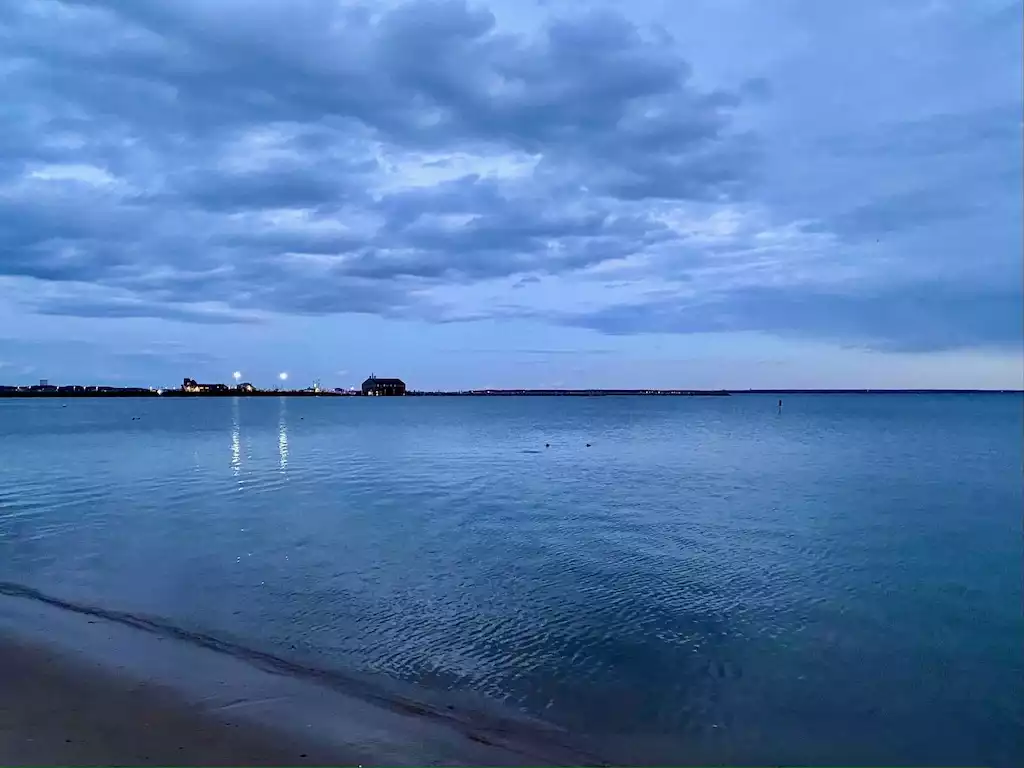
(236, 447)
(282, 436)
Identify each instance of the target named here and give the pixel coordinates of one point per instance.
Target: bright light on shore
(282, 376)
(237, 375)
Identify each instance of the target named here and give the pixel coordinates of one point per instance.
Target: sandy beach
(82, 690)
(54, 711)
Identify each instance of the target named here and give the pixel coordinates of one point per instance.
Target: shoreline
(83, 686)
(175, 394)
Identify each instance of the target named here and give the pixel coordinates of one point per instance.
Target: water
(709, 581)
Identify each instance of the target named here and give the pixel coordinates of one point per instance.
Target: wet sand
(80, 690)
(54, 711)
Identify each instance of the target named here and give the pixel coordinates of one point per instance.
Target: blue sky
(539, 193)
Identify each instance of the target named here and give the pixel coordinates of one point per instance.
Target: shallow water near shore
(838, 583)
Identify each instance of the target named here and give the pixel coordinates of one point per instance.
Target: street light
(282, 376)
(237, 375)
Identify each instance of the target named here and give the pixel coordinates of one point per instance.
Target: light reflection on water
(236, 448)
(282, 435)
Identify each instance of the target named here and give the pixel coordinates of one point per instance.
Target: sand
(80, 690)
(56, 712)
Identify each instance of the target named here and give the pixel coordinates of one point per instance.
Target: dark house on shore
(383, 387)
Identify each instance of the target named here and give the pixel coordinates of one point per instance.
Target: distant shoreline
(174, 393)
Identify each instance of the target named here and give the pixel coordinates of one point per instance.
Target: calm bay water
(837, 583)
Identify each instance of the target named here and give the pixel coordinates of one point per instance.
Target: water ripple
(703, 571)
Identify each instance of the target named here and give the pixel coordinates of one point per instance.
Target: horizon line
(513, 389)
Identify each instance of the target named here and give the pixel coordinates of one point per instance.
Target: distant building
(191, 385)
(245, 386)
(383, 387)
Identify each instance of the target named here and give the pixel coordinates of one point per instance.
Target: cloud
(936, 136)
(111, 308)
(891, 318)
(234, 142)
(223, 163)
(901, 211)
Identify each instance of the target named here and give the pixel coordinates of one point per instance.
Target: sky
(513, 193)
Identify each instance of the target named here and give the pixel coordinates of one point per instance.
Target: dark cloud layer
(108, 308)
(178, 83)
(904, 319)
(214, 161)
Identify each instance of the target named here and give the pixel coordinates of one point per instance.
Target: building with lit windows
(383, 387)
